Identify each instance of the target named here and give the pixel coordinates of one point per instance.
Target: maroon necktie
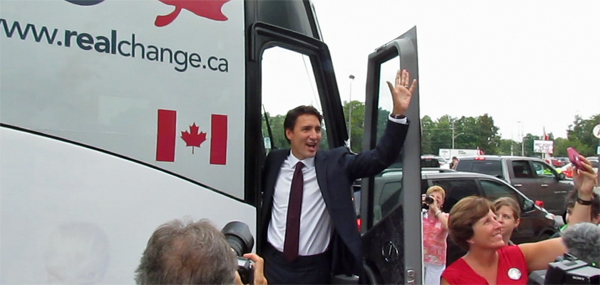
(292, 228)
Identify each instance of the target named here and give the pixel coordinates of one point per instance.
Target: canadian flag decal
(166, 140)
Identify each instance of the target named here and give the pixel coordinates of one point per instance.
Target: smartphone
(574, 158)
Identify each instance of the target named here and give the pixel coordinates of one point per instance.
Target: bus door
(390, 202)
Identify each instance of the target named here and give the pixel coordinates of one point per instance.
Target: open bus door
(391, 223)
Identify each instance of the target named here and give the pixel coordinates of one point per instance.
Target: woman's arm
(584, 181)
(539, 254)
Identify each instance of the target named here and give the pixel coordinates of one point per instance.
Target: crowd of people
(310, 234)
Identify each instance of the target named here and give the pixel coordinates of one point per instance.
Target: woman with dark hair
(509, 215)
(474, 226)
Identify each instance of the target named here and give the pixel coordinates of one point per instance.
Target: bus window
(287, 82)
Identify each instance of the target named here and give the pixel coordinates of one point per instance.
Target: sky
(530, 65)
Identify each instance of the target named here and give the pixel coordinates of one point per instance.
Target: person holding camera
(474, 226)
(188, 252)
(435, 232)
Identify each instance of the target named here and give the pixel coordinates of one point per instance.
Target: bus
(118, 116)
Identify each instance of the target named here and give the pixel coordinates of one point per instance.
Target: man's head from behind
(303, 130)
(187, 252)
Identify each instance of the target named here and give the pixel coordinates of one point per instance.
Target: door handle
(518, 185)
(544, 185)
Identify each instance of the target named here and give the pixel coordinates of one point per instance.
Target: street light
(522, 138)
(350, 113)
(454, 136)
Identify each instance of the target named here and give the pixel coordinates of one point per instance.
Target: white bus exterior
(118, 116)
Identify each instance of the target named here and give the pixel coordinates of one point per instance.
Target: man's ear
(288, 134)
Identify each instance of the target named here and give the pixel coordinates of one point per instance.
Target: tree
(488, 139)
(276, 123)
(581, 131)
(427, 126)
(356, 123)
(469, 139)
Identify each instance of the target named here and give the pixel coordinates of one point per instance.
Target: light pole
(454, 136)
(350, 113)
(522, 138)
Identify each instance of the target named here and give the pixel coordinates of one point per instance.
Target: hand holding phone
(574, 158)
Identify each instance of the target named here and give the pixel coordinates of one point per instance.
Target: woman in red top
(474, 226)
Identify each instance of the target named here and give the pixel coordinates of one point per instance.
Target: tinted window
(430, 162)
(390, 197)
(521, 169)
(456, 190)
(494, 190)
(491, 167)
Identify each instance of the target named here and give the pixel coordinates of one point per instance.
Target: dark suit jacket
(336, 170)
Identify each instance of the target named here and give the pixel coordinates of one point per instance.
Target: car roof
(457, 174)
(429, 173)
(499, 157)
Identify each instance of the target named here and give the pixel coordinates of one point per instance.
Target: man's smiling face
(305, 137)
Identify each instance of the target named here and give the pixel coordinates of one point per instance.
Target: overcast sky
(534, 62)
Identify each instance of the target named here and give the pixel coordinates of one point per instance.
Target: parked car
(429, 160)
(536, 223)
(532, 176)
(567, 168)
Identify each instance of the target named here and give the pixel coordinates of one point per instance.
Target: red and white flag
(167, 140)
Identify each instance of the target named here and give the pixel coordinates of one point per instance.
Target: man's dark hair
(187, 252)
(293, 114)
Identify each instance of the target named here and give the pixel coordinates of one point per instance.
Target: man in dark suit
(309, 231)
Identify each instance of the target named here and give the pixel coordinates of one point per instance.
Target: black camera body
(428, 201)
(246, 270)
(241, 241)
(571, 270)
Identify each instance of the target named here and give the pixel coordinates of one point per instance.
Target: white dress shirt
(315, 222)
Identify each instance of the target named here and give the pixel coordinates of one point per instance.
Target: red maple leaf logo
(193, 138)
(206, 8)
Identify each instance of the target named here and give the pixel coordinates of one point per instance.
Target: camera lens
(239, 237)
(429, 200)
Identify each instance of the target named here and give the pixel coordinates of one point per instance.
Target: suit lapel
(321, 170)
(274, 170)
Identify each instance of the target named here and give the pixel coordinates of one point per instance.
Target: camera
(429, 200)
(241, 241)
(570, 270)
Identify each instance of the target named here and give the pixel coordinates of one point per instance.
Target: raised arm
(539, 254)
(402, 92)
(584, 180)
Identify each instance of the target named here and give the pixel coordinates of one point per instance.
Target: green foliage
(468, 133)
(356, 125)
(276, 123)
(580, 135)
